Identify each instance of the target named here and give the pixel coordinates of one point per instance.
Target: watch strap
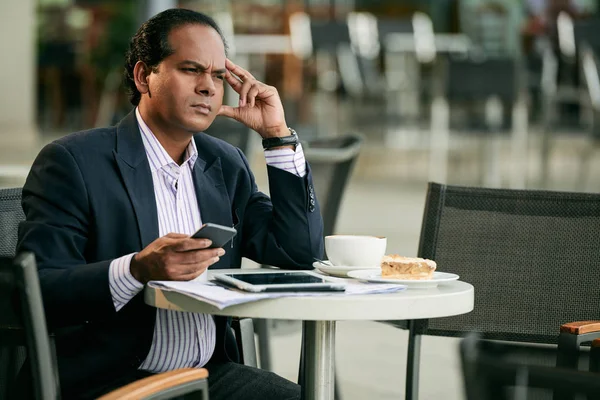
(291, 140)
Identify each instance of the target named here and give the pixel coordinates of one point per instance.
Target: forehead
(197, 43)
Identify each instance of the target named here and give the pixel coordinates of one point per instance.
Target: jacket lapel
(209, 183)
(132, 161)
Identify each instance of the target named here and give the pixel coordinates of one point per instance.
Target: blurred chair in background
(491, 371)
(490, 92)
(489, 26)
(317, 42)
(23, 323)
(591, 74)
(525, 252)
(331, 161)
(561, 84)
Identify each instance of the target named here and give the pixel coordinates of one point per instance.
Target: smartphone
(218, 234)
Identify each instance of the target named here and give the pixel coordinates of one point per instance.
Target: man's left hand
(260, 107)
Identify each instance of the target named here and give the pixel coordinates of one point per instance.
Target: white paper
(221, 297)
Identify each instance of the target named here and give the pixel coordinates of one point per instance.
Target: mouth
(202, 108)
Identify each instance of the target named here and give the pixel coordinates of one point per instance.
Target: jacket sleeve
(285, 230)
(56, 230)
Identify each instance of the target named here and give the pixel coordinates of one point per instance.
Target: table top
(445, 300)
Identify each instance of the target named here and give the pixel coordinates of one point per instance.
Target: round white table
(319, 314)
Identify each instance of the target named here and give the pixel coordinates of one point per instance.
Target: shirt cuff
(123, 286)
(288, 160)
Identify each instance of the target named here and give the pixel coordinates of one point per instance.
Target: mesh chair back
(471, 80)
(328, 35)
(331, 161)
(532, 256)
(232, 132)
(385, 26)
(22, 323)
(11, 214)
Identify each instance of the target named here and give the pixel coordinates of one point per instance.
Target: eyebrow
(202, 67)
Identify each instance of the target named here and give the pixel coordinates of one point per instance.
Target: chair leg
(595, 356)
(262, 331)
(567, 357)
(413, 358)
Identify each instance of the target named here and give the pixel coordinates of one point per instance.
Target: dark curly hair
(151, 45)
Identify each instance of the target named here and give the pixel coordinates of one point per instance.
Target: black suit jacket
(89, 199)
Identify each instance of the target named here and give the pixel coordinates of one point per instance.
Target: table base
(319, 357)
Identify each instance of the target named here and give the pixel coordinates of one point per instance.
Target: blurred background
(497, 93)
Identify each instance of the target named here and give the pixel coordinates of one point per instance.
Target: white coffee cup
(355, 250)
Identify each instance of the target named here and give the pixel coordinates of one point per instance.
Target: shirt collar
(157, 155)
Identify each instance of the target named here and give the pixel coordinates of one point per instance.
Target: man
(108, 210)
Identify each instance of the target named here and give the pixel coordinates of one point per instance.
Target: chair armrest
(158, 383)
(580, 327)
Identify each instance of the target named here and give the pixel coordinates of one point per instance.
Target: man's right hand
(174, 257)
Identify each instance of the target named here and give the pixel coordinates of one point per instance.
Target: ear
(140, 76)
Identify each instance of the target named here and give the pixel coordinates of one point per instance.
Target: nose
(205, 85)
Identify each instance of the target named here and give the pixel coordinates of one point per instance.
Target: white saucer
(369, 275)
(339, 270)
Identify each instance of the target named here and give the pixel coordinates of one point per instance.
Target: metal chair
(23, 323)
(11, 214)
(566, 79)
(493, 371)
(13, 348)
(530, 256)
(331, 161)
(486, 88)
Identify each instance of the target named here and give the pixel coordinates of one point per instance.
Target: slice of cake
(394, 266)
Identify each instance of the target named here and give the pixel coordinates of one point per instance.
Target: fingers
(228, 111)
(182, 266)
(187, 243)
(246, 86)
(187, 274)
(251, 96)
(239, 71)
(233, 81)
(196, 257)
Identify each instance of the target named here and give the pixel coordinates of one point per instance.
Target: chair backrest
(331, 161)
(328, 35)
(11, 214)
(491, 372)
(476, 80)
(23, 323)
(531, 255)
(586, 32)
(232, 132)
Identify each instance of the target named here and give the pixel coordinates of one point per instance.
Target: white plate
(369, 275)
(339, 270)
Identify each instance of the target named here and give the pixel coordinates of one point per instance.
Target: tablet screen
(288, 278)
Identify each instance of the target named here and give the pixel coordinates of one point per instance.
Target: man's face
(186, 90)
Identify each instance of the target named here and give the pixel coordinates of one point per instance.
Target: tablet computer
(278, 281)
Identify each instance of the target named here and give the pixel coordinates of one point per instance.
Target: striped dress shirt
(181, 339)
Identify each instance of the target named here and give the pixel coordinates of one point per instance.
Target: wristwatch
(291, 140)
